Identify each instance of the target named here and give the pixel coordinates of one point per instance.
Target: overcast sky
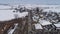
(30, 2)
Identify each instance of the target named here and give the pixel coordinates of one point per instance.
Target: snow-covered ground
(54, 8)
(8, 14)
(2, 7)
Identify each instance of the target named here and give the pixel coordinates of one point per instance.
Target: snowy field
(7, 14)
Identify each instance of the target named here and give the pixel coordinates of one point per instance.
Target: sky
(49, 2)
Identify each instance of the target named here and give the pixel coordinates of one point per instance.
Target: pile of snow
(57, 25)
(21, 15)
(38, 26)
(44, 22)
(35, 18)
(10, 31)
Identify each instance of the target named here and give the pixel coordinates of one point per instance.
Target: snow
(38, 26)
(4, 7)
(54, 8)
(44, 22)
(57, 25)
(22, 14)
(35, 18)
(6, 15)
(12, 30)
